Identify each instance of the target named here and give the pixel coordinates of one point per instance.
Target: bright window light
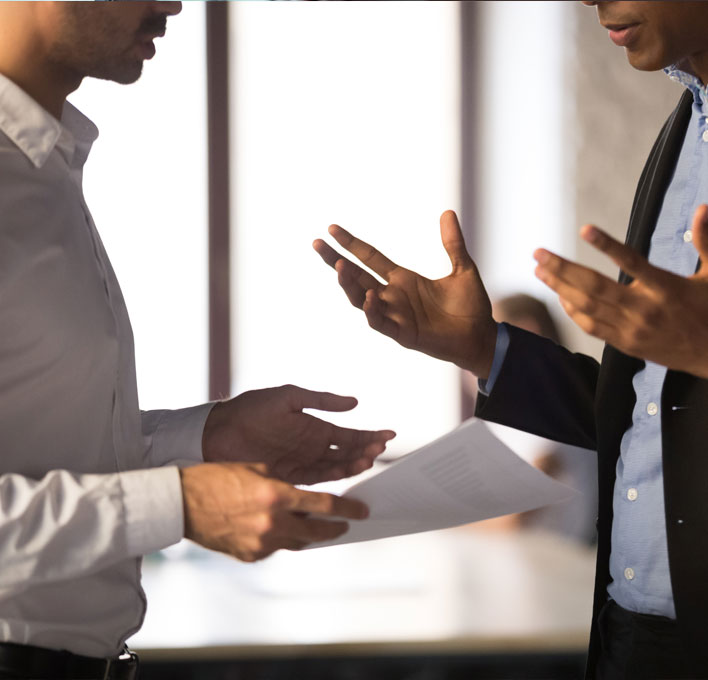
(523, 204)
(346, 113)
(145, 183)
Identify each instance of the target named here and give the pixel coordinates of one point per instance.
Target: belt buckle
(126, 656)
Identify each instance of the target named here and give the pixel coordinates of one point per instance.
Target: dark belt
(38, 663)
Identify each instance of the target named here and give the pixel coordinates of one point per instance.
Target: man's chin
(125, 73)
(645, 61)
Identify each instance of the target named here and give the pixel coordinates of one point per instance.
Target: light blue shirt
(639, 563)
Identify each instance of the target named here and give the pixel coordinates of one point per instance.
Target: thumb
(699, 229)
(453, 241)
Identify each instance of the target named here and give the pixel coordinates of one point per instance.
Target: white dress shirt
(85, 482)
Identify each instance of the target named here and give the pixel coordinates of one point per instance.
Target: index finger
(326, 504)
(371, 257)
(627, 259)
(349, 273)
(301, 398)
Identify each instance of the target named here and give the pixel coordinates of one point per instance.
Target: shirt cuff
(175, 437)
(153, 509)
(500, 349)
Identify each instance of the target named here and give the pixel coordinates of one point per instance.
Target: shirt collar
(682, 74)
(37, 133)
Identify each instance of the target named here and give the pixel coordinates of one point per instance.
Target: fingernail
(591, 234)
(541, 256)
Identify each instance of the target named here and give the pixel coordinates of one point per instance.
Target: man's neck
(24, 59)
(699, 66)
(45, 86)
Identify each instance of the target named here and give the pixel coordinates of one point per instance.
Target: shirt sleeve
(66, 525)
(174, 437)
(500, 349)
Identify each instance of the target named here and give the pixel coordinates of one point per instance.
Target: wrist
(212, 435)
(479, 351)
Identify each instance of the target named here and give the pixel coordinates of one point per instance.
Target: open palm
(270, 426)
(448, 318)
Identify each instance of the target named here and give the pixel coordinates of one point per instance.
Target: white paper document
(465, 476)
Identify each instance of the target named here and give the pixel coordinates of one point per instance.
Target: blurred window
(146, 185)
(346, 113)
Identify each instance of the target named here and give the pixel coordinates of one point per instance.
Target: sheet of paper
(465, 476)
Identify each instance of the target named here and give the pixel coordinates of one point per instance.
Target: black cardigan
(544, 389)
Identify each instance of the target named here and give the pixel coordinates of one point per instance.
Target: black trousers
(641, 647)
(25, 662)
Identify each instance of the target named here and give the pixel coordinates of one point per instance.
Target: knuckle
(664, 296)
(326, 504)
(653, 315)
(587, 304)
(592, 329)
(368, 253)
(264, 524)
(633, 260)
(596, 286)
(268, 496)
(257, 548)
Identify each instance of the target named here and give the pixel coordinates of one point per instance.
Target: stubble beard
(92, 45)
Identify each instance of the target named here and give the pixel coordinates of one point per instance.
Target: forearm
(544, 389)
(66, 525)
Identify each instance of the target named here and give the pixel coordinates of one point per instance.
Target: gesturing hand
(268, 426)
(448, 318)
(235, 509)
(660, 317)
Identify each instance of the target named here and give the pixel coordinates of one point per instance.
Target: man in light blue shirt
(643, 407)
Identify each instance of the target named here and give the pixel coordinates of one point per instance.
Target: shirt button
(632, 494)
(629, 573)
(688, 236)
(705, 135)
(652, 408)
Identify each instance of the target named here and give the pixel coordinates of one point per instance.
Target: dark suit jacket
(544, 389)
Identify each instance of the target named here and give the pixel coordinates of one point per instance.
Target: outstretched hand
(269, 426)
(448, 318)
(659, 317)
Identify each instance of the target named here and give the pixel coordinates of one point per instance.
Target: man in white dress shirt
(88, 483)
